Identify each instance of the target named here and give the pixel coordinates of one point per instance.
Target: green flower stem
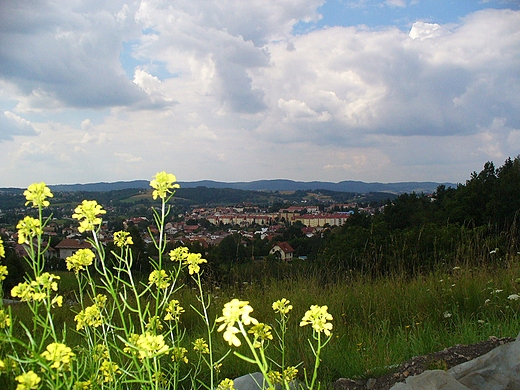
(209, 329)
(261, 361)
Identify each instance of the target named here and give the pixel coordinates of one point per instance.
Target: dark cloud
(66, 55)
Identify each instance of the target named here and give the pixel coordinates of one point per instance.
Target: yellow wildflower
(193, 260)
(230, 335)
(131, 344)
(154, 324)
(163, 183)
(159, 278)
(179, 254)
(179, 354)
(5, 319)
(317, 317)
(274, 377)
(23, 291)
(82, 385)
(3, 272)
(37, 193)
(122, 238)
(109, 369)
(79, 260)
(57, 300)
(87, 215)
(60, 355)
(91, 315)
(28, 381)
(236, 310)
(289, 374)
(282, 306)
(2, 248)
(100, 351)
(28, 228)
(201, 346)
(261, 332)
(173, 310)
(47, 281)
(226, 384)
(150, 345)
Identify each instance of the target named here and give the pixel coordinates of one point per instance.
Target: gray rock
(499, 369)
(255, 381)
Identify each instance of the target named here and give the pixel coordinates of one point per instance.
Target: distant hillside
(343, 186)
(262, 185)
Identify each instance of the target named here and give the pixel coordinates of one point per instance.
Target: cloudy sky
(235, 90)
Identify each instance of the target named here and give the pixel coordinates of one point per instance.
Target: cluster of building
(246, 221)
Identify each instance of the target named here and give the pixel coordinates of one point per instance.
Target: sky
(234, 90)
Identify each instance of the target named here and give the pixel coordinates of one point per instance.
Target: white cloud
(128, 158)
(422, 30)
(395, 3)
(225, 86)
(297, 111)
(14, 125)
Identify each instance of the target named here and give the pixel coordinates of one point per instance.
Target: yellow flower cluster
(37, 194)
(226, 384)
(82, 385)
(60, 355)
(87, 215)
(261, 332)
(28, 228)
(2, 248)
(108, 371)
(318, 317)
(163, 183)
(38, 290)
(154, 324)
(100, 351)
(79, 260)
(122, 238)
(288, 375)
(3, 272)
(282, 306)
(3, 268)
(159, 278)
(179, 354)
(149, 345)
(92, 315)
(192, 260)
(5, 319)
(173, 310)
(28, 381)
(179, 254)
(201, 346)
(235, 311)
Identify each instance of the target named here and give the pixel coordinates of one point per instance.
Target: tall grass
(378, 322)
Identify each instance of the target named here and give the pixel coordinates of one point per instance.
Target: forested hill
(476, 224)
(266, 185)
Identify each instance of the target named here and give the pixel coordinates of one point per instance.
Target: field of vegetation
(427, 273)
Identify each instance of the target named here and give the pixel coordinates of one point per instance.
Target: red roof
(284, 246)
(73, 243)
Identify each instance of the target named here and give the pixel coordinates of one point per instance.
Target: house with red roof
(282, 250)
(69, 246)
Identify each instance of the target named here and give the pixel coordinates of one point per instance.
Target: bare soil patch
(443, 360)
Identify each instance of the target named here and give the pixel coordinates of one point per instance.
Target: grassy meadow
(378, 322)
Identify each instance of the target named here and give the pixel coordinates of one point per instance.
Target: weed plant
(109, 327)
(130, 331)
